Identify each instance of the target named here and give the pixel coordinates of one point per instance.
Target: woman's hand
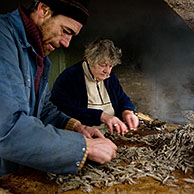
(114, 123)
(130, 119)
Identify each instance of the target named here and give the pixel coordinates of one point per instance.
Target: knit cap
(75, 9)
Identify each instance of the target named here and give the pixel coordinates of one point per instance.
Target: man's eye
(66, 32)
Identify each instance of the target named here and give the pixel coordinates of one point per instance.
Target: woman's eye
(102, 65)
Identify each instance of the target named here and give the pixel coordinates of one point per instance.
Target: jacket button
(83, 149)
(77, 164)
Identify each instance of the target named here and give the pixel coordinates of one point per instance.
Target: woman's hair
(101, 51)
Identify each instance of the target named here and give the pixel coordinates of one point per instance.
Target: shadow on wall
(153, 39)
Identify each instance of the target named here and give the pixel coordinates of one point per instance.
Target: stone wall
(185, 8)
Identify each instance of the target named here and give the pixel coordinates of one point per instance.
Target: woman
(91, 93)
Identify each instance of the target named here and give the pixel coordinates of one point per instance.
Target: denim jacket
(31, 130)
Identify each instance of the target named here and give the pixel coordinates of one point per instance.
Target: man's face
(58, 30)
(101, 70)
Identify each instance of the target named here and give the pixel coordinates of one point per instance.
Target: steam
(170, 70)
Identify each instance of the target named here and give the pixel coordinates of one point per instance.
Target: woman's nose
(108, 69)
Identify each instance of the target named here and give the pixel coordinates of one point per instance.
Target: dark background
(137, 26)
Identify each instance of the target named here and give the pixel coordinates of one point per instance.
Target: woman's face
(101, 71)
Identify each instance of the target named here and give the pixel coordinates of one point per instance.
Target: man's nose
(66, 41)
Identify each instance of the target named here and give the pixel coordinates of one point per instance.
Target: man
(32, 132)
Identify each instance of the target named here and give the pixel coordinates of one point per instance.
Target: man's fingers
(114, 155)
(87, 135)
(101, 150)
(99, 134)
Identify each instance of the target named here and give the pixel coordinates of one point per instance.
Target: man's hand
(88, 132)
(114, 123)
(131, 119)
(101, 150)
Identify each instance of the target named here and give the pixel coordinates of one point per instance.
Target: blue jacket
(30, 135)
(72, 98)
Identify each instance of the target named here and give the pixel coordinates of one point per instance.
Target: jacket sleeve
(70, 96)
(51, 115)
(118, 96)
(25, 139)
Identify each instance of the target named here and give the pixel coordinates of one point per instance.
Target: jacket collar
(32, 32)
(87, 71)
(16, 21)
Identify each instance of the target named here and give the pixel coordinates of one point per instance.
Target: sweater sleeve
(118, 97)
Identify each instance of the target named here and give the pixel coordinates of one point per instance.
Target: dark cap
(75, 9)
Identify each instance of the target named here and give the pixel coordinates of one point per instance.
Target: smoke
(169, 65)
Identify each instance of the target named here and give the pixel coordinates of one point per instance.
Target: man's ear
(44, 11)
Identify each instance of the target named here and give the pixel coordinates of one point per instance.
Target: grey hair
(102, 50)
